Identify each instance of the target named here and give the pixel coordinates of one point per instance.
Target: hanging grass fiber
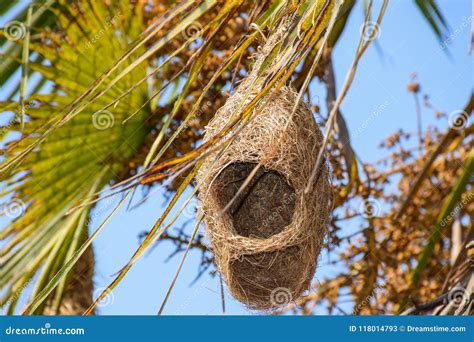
(267, 241)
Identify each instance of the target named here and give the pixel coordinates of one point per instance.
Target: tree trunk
(78, 293)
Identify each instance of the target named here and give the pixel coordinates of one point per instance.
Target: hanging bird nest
(266, 237)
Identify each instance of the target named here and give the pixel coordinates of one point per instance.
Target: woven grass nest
(267, 242)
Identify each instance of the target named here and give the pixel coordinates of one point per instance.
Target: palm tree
(114, 95)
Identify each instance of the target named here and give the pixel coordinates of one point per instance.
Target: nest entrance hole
(264, 208)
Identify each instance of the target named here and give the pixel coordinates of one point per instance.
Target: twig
(363, 45)
(419, 307)
(418, 123)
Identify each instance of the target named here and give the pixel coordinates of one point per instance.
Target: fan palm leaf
(86, 153)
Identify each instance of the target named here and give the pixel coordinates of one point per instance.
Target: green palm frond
(43, 17)
(82, 155)
(432, 14)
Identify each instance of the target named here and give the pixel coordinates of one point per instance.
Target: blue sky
(376, 105)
